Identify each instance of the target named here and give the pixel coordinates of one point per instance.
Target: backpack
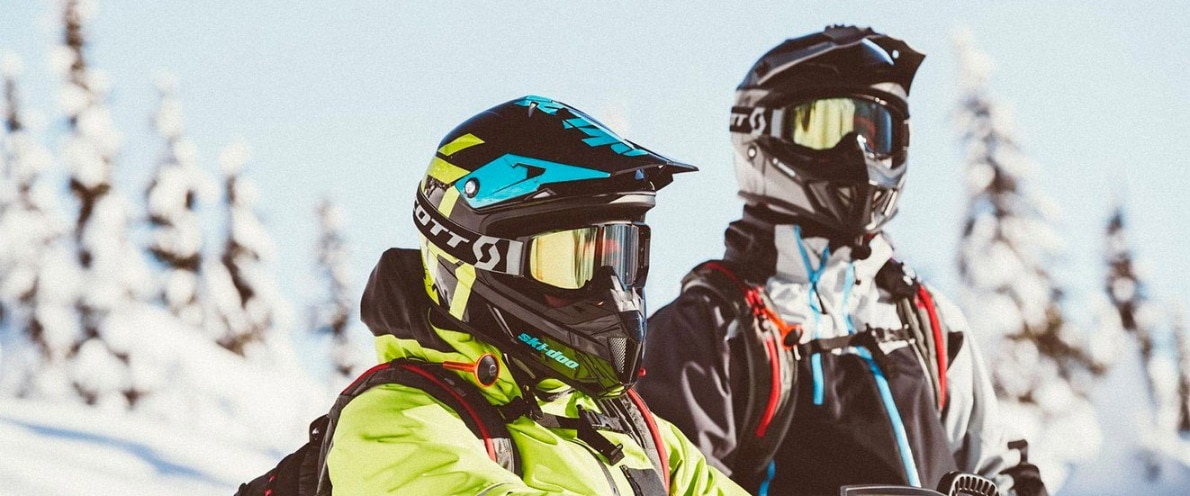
(304, 472)
(769, 348)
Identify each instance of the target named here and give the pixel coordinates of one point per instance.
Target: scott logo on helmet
(750, 119)
(545, 349)
(436, 228)
(486, 252)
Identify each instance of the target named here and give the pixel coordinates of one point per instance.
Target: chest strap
(627, 416)
(871, 339)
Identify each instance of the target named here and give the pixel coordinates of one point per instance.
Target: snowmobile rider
(520, 323)
(808, 358)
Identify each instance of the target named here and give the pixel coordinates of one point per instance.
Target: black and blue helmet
(533, 238)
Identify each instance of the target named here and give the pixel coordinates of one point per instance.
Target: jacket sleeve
(687, 367)
(397, 440)
(690, 475)
(976, 432)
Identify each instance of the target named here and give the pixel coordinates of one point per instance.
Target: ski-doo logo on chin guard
(545, 349)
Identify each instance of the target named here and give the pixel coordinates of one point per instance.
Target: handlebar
(952, 484)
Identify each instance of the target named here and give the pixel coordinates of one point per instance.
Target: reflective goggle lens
(569, 259)
(821, 124)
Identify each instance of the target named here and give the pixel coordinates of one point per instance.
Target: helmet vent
(846, 195)
(619, 347)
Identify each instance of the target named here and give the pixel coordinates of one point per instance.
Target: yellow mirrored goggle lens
(564, 259)
(821, 124)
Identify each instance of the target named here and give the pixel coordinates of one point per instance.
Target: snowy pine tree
(114, 274)
(172, 195)
(329, 318)
(38, 276)
(10, 66)
(244, 294)
(1140, 318)
(1182, 342)
(1041, 368)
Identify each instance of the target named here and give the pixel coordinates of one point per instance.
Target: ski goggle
(565, 259)
(822, 123)
(569, 259)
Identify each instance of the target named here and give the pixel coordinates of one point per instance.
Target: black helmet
(821, 129)
(533, 238)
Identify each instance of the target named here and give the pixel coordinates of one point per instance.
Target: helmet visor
(821, 124)
(569, 259)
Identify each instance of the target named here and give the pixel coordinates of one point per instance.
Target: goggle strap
(484, 252)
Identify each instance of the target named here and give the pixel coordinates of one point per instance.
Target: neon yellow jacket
(395, 439)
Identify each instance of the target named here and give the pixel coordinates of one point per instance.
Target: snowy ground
(1119, 470)
(241, 419)
(215, 421)
(50, 450)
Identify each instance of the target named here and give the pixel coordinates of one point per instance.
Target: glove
(1026, 480)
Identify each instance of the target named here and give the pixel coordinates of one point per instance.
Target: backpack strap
(871, 339)
(481, 417)
(769, 363)
(624, 414)
(918, 312)
(642, 427)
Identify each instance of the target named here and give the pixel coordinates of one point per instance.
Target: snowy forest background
(148, 343)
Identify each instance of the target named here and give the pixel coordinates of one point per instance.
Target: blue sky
(350, 99)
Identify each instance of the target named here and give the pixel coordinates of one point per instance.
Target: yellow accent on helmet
(461, 143)
(445, 171)
(428, 260)
(465, 273)
(449, 198)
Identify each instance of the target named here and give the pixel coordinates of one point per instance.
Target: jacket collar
(398, 311)
(768, 246)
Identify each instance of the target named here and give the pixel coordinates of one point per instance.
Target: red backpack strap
(481, 417)
(925, 302)
(662, 460)
(766, 346)
(918, 312)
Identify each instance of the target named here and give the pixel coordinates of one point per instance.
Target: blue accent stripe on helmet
(601, 136)
(544, 104)
(513, 176)
(598, 134)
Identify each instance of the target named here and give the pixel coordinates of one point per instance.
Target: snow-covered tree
(244, 293)
(172, 195)
(330, 316)
(38, 274)
(1141, 319)
(1127, 293)
(1182, 342)
(9, 67)
(1042, 368)
(115, 276)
